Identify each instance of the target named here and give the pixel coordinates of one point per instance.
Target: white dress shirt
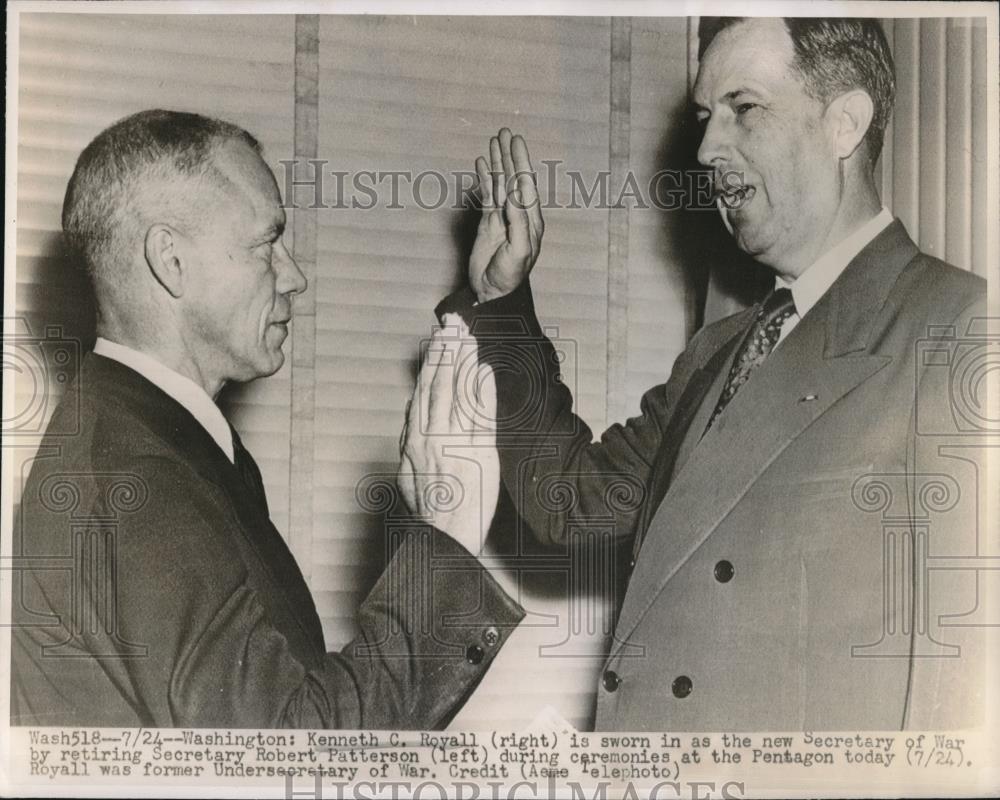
(812, 284)
(184, 390)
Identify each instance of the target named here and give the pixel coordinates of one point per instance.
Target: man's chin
(265, 366)
(277, 362)
(748, 240)
(273, 357)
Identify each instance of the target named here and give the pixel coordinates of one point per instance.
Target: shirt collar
(812, 284)
(182, 389)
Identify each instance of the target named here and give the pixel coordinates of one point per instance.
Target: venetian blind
(81, 72)
(934, 173)
(660, 245)
(418, 94)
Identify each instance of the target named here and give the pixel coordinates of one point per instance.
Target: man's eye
(265, 251)
(743, 108)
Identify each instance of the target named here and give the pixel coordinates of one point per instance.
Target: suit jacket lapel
(824, 358)
(696, 429)
(685, 420)
(175, 425)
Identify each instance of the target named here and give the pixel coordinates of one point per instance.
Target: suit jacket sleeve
(547, 453)
(428, 630)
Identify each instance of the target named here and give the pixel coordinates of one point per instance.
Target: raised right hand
(449, 472)
(510, 231)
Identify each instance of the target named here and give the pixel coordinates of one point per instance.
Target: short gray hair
(113, 172)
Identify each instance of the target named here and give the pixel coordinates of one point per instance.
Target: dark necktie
(248, 470)
(760, 340)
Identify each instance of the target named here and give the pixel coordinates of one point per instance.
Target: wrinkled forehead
(755, 53)
(247, 182)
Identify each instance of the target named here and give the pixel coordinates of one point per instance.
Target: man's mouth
(735, 197)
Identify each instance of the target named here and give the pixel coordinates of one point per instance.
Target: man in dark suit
(805, 485)
(152, 588)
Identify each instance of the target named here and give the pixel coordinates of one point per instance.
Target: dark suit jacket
(808, 563)
(153, 590)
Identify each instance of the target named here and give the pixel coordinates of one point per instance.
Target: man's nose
(290, 277)
(715, 145)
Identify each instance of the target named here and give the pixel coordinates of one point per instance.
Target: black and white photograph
(501, 400)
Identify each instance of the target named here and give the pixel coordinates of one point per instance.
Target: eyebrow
(730, 96)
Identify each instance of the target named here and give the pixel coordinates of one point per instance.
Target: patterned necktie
(758, 344)
(249, 471)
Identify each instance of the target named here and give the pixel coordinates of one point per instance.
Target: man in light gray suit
(804, 471)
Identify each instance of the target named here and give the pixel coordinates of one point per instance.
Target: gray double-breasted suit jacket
(809, 562)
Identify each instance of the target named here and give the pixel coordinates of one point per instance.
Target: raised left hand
(509, 237)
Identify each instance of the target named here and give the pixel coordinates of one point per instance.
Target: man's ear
(163, 255)
(849, 116)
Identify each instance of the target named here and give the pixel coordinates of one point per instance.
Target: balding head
(179, 222)
(154, 166)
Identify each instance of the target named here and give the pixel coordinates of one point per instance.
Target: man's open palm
(510, 232)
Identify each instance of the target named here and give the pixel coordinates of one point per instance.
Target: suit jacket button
(724, 571)
(474, 654)
(681, 686)
(612, 681)
(491, 636)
